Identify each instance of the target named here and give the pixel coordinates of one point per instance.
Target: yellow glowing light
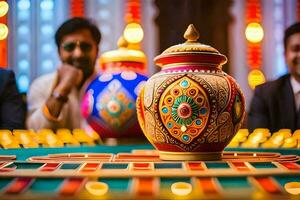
(290, 142)
(3, 31)
(254, 32)
(296, 134)
(255, 77)
(96, 188)
(292, 188)
(133, 33)
(3, 8)
(181, 188)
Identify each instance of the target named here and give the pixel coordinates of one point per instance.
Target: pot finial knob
(191, 34)
(122, 43)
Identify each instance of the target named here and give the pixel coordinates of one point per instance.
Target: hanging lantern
(3, 31)
(255, 78)
(254, 34)
(3, 8)
(133, 33)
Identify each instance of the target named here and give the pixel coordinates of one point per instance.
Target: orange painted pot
(191, 109)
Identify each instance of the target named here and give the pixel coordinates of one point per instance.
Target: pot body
(190, 112)
(109, 104)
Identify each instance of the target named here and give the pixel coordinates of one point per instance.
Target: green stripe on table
(46, 184)
(167, 165)
(69, 166)
(4, 182)
(114, 166)
(119, 184)
(217, 165)
(263, 165)
(282, 180)
(23, 165)
(234, 182)
(23, 153)
(167, 182)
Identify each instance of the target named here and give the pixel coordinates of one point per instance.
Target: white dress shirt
(70, 117)
(296, 90)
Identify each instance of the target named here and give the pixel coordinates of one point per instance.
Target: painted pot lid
(123, 53)
(191, 51)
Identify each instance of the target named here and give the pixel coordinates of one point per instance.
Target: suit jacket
(273, 106)
(12, 109)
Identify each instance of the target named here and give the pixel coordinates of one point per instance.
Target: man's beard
(85, 65)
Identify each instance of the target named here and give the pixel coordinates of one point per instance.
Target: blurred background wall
(29, 47)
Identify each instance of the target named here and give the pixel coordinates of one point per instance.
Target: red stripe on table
(207, 185)
(90, 167)
(8, 167)
(71, 186)
(268, 184)
(48, 167)
(291, 165)
(195, 166)
(81, 155)
(141, 166)
(133, 156)
(2, 164)
(18, 185)
(145, 186)
(240, 166)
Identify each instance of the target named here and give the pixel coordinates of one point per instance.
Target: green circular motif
(114, 107)
(192, 104)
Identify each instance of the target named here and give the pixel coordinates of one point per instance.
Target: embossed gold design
(225, 127)
(152, 83)
(150, 127)
(160, 137)
(237, 107)
(148, 93)
(221, 88)
(141, 111)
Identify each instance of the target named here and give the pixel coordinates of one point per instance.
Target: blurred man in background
(54, 99)
(275, 105)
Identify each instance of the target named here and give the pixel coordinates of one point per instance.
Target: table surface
(152, 179)
(23, 154)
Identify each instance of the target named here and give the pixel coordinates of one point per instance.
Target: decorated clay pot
(109, 101)
(191, 109)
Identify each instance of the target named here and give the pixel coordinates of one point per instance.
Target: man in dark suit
(12, 109)
(275, 104)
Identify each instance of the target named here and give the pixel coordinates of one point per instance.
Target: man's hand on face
(68, 77)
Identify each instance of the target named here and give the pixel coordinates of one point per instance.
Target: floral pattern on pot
(184, 109)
